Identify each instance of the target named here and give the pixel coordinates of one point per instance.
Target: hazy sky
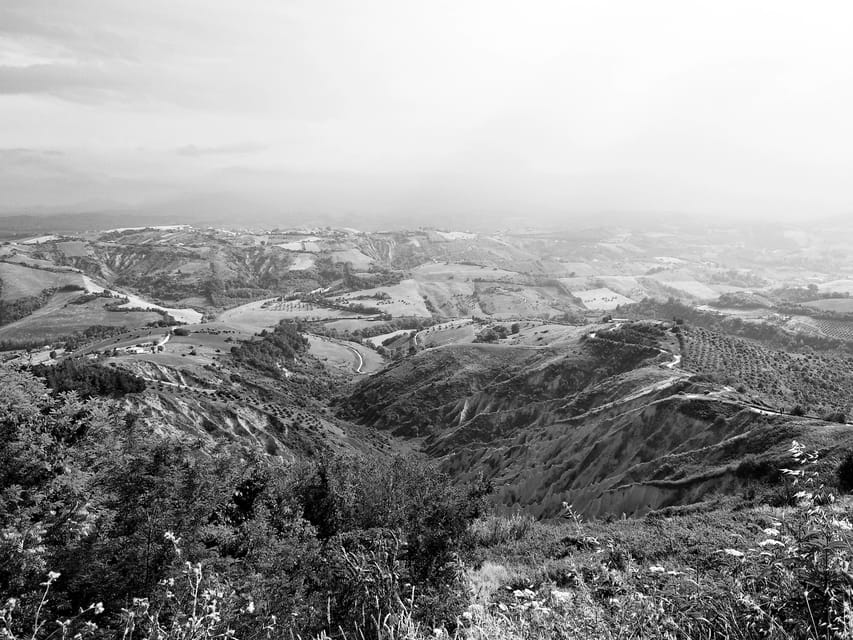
(453, 108)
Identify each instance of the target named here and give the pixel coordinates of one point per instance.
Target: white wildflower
(771, 542)
(844, 525)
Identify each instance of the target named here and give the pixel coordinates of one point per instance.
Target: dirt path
(358, 368)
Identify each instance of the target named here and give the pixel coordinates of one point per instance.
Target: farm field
(838, 305)
(457, 332)
(782, 379)
(456, 271)
(693, 288)
(60, 318)
(349, 324)
(405, 299)
(302, 262)
(309, 245)
(510, 302)
(601, 299)
(185, 316)
(21, 282)
(377, 341)
(841, 286)
(838, 329)
(264, 314)
(354, 257)
(535, 334)
(344, 356)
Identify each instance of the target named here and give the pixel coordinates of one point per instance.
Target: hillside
(608, 422)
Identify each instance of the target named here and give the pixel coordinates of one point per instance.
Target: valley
(596, 391)
(589, 368)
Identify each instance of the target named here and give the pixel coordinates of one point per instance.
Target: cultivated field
(345, 356)
(354, 257)
(601, 299)
(377, 341)
(838, 305)
(21, 282)
(302, 262)
(405, 299)
(60, 318)
(838, 329)
(455, 332)
(263, 314)
(817, 383)
(456, 271)
(841, 286)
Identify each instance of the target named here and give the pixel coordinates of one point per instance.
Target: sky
(458, 110)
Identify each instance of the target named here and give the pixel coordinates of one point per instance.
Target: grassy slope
(21, 282)
(59, 318)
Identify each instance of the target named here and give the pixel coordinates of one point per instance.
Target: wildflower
(53, 575)
(98, 608)
(770, 542)
(844, 525)
(250, 608)
(656, 569)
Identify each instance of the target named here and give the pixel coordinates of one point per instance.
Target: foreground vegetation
(109, 530)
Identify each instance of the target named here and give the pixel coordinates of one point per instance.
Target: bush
(844, 474)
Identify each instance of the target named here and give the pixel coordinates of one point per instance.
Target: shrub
(844, 474)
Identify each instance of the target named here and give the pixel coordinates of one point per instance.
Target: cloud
(192, 150)
(62, 80)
